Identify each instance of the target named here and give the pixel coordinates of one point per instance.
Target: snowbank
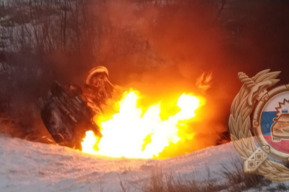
(29, 166)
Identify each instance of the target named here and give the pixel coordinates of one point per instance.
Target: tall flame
(133, 132)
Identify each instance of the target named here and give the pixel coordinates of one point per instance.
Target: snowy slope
(29, 166)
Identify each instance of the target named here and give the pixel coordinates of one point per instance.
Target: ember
(136, 131)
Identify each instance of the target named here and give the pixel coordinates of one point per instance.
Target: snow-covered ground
(30, 166)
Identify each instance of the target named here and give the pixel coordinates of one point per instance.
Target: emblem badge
(259, 125)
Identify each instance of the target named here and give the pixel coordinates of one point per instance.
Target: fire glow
(133, 132)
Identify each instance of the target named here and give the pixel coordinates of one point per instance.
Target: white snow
(29, 166)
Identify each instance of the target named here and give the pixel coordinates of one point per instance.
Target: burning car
(68, 110)
(104, 119)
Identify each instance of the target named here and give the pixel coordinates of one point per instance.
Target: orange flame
(133, 132)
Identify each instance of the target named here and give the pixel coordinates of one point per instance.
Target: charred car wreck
(68, 110)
